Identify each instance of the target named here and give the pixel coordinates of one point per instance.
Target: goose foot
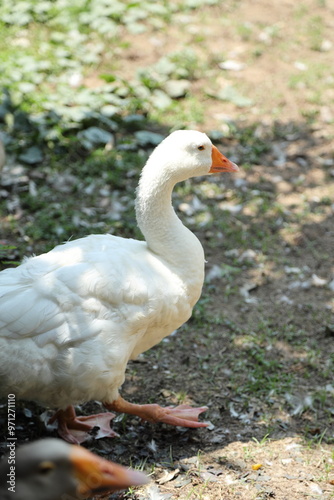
(183, 415)
(76, 430)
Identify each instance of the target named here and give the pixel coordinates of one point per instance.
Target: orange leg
(76, 429)
(183, 415)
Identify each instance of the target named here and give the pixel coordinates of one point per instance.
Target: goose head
(50, 469)
(187, 153)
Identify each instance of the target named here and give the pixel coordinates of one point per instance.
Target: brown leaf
(168, 476)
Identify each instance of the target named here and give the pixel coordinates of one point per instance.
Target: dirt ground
(258, 350)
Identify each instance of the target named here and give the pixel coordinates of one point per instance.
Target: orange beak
(96, 475)
(220, 163)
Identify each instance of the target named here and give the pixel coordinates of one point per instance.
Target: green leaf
(231, 94)
(177, 88)
(160, 99)
(94, 136)
(146, 138)
(32, 155)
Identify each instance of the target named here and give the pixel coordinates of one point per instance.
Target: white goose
(71, 319)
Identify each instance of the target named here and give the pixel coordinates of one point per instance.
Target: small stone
(331, 285)
(300, 65)
(248, 255)
(232, 209)
(315, 489)
(297, 284)
(292, 270)
(232, 65)
(233, 253)
(318, 282)
(326, 46)
(215, 272)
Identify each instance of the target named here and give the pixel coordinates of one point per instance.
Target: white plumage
(71, 319)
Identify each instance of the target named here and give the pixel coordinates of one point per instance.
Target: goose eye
(46, 467)
(201, 148)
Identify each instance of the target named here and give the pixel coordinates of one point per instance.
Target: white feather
(71, 319)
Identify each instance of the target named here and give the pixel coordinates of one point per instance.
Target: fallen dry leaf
(168, 476)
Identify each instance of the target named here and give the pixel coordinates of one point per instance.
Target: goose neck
(164, 233)
(155, 215)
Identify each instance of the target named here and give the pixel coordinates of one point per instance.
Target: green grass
(315, 30)
(52, 44)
